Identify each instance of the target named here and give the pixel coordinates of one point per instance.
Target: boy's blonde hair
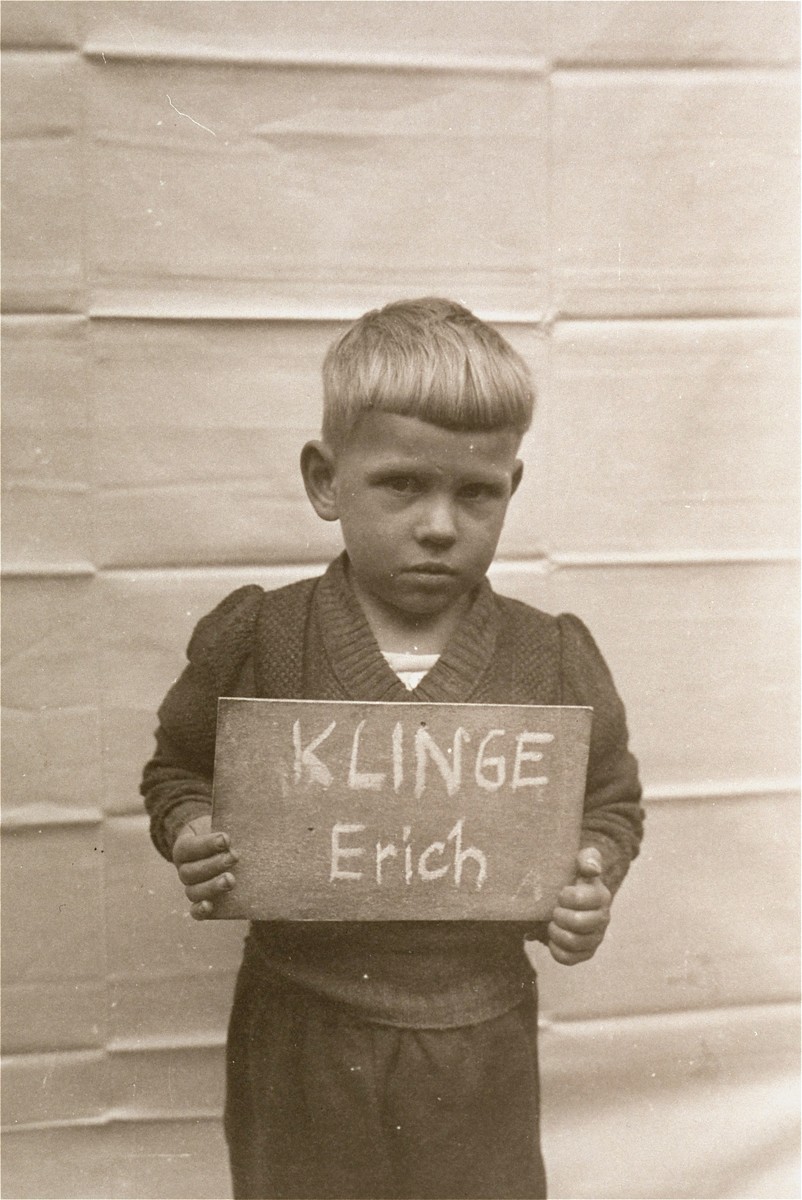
(428, 358)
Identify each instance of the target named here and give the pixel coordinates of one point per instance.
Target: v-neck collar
(362, 670)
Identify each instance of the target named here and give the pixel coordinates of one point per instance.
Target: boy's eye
(402, 485)
(478, 491)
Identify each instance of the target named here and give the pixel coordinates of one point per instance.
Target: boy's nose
(437, 525)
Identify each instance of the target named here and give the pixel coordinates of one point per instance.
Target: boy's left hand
(582, 914)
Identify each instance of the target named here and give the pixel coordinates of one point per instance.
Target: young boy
(396, 1059)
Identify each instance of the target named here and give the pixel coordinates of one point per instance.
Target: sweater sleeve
(613, 817)
(177, 781)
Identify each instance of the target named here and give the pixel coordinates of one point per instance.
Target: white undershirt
(410, 668)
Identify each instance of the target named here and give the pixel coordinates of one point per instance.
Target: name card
(350, 811)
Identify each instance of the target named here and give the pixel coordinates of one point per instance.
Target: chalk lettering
(494, 765)
(415, 866)
(382, 852)
(338, 851)
(368, 781)
(406, 833)
(498, 762)
(429, 872)
(426, 747)
(461, 855)
(316, 771)
(522, 756)
(398, 755)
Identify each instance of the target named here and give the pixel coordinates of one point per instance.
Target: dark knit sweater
(311, 641)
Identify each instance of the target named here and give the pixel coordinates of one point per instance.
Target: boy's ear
(318, 469)
(517, 475)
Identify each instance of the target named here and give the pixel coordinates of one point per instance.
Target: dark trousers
(320, 1107)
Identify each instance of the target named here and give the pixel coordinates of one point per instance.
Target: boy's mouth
(429, 568)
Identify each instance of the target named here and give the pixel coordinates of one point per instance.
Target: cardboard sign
(352, 811)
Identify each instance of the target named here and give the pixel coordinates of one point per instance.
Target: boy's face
(421, 508)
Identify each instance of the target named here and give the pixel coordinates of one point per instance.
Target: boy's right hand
(202, 858)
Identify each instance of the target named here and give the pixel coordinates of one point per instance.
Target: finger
(588, 862)
(206, 868)
(207, 891)
(199, 912)
(190, 847)
(566, 957)
(581, 921)
(577, 943)
(585, 896)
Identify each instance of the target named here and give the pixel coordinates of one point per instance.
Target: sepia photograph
(400, 581)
